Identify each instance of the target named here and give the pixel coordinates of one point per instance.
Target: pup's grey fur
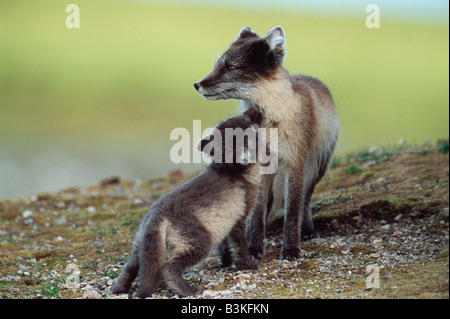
(192, 219)
(302, 109)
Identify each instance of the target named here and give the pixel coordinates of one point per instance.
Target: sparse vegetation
(352, 169)
(443, 146)
(393, 213)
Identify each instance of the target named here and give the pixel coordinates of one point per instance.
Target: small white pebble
(27, 213)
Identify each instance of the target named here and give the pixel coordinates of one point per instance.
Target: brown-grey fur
(190, 220)
(302, 109)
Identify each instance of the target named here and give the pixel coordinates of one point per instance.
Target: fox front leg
(291, 231)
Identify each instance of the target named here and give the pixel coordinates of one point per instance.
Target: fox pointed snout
(209, 87)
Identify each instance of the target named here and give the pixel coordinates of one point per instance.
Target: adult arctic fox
(302, 109)
(201, 213)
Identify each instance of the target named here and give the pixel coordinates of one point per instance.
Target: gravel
(329, 268)
(374, 224)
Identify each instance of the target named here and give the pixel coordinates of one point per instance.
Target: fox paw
(290, 254)
(256, 252)
(226, 260)
(118, 289)
(250, 264)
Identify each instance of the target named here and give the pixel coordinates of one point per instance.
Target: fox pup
(302, 109)
(190, 220)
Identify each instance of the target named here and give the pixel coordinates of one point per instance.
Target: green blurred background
(80, 105)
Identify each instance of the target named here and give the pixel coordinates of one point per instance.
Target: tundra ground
(383, 208)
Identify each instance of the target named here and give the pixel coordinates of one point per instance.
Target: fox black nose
(196, 86)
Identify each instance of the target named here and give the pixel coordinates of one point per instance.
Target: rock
(14, 290)
(250, 287)
(114, 180)
(216, 294)
(61, 220)
(121, 296)
(27, 213)
(60, 204)
(435, 249)
(91, 294)
(244, 276)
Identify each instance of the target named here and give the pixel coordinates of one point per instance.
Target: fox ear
(276, 38)
(204, 141)
(246, 32)
(255, 114)
(211, 144)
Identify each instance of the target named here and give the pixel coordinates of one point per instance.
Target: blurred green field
(125, 78)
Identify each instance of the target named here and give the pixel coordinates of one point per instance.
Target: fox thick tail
(152, 253)
(129, 272)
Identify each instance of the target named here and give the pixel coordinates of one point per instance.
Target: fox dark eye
(231, 67)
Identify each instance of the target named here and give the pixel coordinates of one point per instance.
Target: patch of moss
(352, 170)
(103, 215)
(443, 146)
